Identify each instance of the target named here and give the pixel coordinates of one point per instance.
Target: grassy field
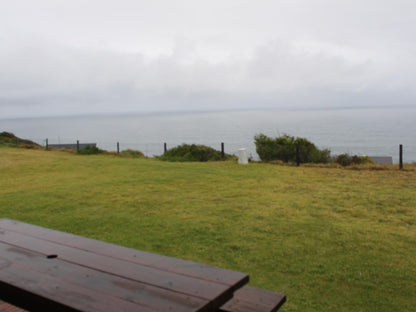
(332, 239)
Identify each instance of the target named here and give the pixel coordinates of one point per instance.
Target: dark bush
(347, 160)
(186, 152)
(355, 160)
(9, 139)
(90, 150)
(343, 160)
(366, 160)
(280, 148)
(132, 153)
(321, 156)
(284, 148)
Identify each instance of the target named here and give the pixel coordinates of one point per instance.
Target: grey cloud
(218, 55)
(278, 74)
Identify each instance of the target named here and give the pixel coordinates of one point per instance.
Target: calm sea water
(373, 132)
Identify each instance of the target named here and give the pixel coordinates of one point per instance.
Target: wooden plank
(217, 294)
(103, 283)
(189, 268)
(41, 291)
(249, 299)
(8, 307)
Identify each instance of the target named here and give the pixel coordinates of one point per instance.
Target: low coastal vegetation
(284, 149)
(193, 152)
(331, 239)
(8, 139)
(347, 160)
(90, 150)
(289, 149)
(132, 154)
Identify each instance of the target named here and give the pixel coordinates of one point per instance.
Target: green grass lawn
(332, 239)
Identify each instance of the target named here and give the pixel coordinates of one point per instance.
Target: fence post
(78, 146)
(165, 148)
(400, 156)
(118, 148)
(297, 155)
(222, 150)
(47, 144)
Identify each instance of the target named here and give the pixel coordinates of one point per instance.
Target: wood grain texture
(249, 299)
(65, 272)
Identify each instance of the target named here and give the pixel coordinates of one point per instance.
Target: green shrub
(10, 140)
(132, 153)
(366, 160)
(186, 152)
(90, 150)
(321, 156)
(284, 148)
(347, 160)
(343, 160)
(355, 160)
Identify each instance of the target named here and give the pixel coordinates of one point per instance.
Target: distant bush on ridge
(347, 160)
(90, 150)
(284, 148)
(186, 152)
(132, 153)
(9, 139)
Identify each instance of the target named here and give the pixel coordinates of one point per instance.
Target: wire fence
(152, 149)
(149, 149)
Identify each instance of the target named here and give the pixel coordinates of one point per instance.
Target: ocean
(372, 132)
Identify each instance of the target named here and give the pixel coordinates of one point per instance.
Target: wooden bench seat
(8, 307)
(46, 270)
(249, 299)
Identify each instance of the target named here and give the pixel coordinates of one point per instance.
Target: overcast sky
(85, 56)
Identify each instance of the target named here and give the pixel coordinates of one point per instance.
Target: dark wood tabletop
(43, 269)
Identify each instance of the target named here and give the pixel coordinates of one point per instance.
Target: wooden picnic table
(47, 270)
